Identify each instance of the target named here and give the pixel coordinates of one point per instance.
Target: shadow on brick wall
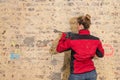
(65, 70)
(67, 57)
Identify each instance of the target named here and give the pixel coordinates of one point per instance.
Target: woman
(83, 48)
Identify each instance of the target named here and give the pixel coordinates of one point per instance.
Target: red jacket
(83, 48)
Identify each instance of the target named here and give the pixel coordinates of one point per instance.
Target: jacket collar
(84, 32)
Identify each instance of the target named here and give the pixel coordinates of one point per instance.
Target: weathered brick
(27, 29)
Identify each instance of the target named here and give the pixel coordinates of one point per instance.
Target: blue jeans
(92, 75)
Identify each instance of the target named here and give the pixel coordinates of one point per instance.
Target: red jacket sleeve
(63, 44)
(100, 50)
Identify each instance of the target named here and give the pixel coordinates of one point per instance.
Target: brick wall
(28, 40)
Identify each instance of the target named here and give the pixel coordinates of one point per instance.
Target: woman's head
(84, 22)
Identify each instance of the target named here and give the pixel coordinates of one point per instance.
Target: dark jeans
(92, 75)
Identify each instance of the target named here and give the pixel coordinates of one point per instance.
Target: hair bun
(87, 16)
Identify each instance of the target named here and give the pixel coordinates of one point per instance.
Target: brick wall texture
(28, 40)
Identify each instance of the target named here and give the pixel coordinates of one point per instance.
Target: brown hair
(85, 21)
